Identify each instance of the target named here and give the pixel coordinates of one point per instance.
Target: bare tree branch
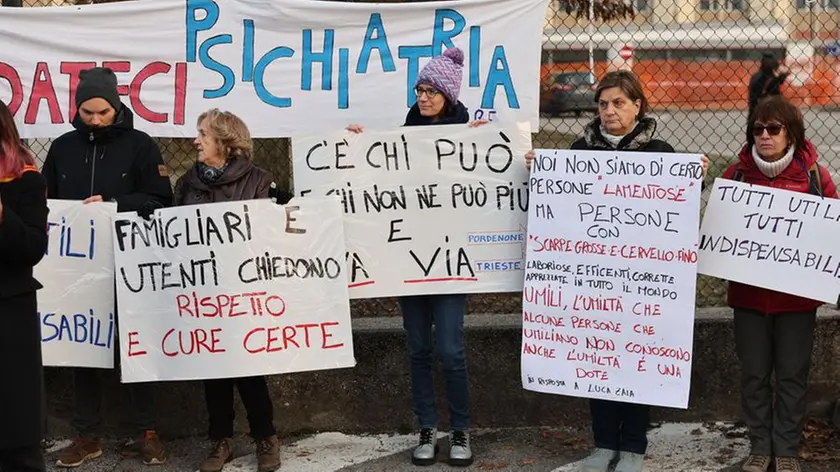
(605, 10)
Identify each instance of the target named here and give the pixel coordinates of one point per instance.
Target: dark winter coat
(764, 84)
(456, 114)
(794, 178)
(640, 139)
(23, 241)
(117, 162)
(242, 180)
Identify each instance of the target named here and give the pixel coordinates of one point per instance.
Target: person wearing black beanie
(106, 159)
(98, 82)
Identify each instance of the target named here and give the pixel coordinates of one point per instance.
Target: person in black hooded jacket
(437, 88)
(106, 159)
(766, 82)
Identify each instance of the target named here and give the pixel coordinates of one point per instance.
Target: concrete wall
(374, 396)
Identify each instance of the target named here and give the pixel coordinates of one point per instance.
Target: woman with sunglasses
(438, 87)
(775, 331)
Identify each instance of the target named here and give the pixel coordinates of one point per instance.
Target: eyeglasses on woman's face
(428, 91)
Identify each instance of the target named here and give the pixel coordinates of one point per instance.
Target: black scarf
(211, 175)
(455, 114)
(639, 138)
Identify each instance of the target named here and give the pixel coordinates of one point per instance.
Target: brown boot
(756, 463)
(80, 450)
(218, 457)
(268, 454)
(149, 446)
(152, 447)
(788, 464)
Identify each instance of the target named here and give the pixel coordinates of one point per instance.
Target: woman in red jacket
(775, 331)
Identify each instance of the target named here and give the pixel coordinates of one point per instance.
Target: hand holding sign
(608, 300)
(280, 304)
(429, 209)
(76, 305)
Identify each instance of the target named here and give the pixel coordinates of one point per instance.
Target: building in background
(701, 53)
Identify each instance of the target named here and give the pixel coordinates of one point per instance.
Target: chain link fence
(696, 59)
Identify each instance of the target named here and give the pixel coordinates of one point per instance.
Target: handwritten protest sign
(232, 289)
(76, 305)
(772, 238)
(433, 209)
(284, 66)
(608, 306)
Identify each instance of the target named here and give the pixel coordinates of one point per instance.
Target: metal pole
(12, 3)
(591, 47)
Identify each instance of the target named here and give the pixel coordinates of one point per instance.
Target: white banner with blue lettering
(76, 305)
(284, 66)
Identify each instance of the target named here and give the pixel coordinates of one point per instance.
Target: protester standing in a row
(774, 332)
(619, 428)
(106, 159)
(23, 242)
(438, 87)
(224, 172)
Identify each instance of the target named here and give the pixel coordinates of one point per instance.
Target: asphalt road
(722, 133)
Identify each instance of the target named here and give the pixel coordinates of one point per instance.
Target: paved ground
(673, 448)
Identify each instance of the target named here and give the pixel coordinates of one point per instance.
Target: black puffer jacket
(117, 162)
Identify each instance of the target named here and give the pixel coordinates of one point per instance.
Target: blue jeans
(446, 313)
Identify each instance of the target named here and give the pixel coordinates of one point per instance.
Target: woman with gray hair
(224, 172)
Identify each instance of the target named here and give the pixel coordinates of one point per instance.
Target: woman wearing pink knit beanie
(438, 87)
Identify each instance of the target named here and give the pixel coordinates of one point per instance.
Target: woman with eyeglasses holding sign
(23, 241)
(437, 88)
(775, 331)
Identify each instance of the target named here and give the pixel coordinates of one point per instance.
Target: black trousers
(782, 343)
(254, 394)
(620, 426)
(138, 406)
(22, 459)
(139, 415)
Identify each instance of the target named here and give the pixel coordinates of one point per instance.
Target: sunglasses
(772, 129)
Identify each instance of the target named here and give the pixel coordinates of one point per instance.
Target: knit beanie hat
(98, 82)
(444, 73)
